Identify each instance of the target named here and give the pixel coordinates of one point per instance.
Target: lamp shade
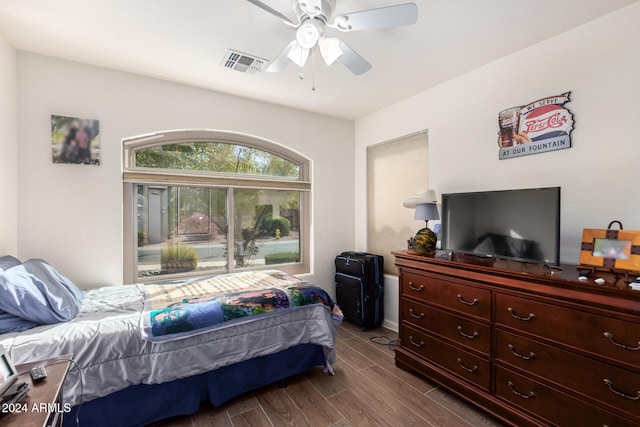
(298, 55)
(427, 196)
(426, 211)
(329, 49)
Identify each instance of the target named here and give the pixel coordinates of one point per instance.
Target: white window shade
(396, 170)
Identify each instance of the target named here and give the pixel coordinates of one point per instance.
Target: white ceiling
(186, 40)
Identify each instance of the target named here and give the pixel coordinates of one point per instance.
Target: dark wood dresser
(528, 345)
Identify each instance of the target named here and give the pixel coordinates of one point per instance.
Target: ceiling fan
(313, 18)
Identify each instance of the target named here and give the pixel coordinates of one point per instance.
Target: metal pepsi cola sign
(541, 126)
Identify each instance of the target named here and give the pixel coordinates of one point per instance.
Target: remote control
(38, 373)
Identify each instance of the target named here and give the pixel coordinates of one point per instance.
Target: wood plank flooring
(367, 390)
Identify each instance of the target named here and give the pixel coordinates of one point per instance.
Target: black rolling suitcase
(360, 288)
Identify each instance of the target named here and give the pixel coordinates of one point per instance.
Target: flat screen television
(522, 225)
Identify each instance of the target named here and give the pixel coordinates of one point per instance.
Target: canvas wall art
(75, 140)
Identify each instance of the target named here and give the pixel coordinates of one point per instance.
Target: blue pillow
(36, 292)
(45, 272)
(11, 323)
(7, 261)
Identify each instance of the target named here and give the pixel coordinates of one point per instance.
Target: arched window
(207, 202)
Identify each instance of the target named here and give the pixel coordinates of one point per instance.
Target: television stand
(528, 345)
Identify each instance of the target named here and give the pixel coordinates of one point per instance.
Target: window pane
(181, 229)
(266, 227)
(216, 157)
(184, 186)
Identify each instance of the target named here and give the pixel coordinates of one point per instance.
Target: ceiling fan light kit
(309, 33)
(297, 54)
(313, 17)
(329, 49)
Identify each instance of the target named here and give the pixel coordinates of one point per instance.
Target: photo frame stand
(627, 276)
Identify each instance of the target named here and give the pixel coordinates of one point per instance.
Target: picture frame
(75, 140)
(611, 249)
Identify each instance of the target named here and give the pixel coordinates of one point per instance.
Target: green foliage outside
(178, 256)
(273, 223)
(282, 258)
(216, 157)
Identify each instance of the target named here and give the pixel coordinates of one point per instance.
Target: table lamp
(425, 204)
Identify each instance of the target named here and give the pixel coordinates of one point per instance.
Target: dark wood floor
(367, 390)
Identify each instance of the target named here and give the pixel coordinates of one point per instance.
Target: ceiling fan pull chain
(313, 70)
(301, 60)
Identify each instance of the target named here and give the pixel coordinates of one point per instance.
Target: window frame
(132, 176)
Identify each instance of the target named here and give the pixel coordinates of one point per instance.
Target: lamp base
(424, 243)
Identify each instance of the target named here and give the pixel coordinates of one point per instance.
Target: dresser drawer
(555, 407)
(452, 295)
(462, 330)
(612, 338)
(456, 360)
(616, 387)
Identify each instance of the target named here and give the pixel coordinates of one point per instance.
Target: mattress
(110, 354)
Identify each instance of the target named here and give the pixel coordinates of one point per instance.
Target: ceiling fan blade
(282, 60)
(273, 12)
(354, 62)
(311, 7)
(384, 17)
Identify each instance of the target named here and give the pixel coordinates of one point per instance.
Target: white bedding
(107, 345)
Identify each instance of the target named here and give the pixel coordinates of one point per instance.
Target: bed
(128, 370)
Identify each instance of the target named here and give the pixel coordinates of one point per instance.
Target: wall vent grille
(243, 62)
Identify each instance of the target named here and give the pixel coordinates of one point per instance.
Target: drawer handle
(531, 355)
(462, 300)
(531, 316)
(475, 334)
(419, 345)
(619, 393)
(626, 347)
(475, 368)
(421, 287)
(517, 393)
(416, 316)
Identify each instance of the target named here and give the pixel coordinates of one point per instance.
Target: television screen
(523, 225)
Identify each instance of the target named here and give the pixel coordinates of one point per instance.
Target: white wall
(71, 215)
(8, 150)
(599, 63)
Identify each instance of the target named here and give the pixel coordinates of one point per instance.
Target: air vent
(242, 62)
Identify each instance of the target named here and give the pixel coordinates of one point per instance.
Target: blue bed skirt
(143, 404)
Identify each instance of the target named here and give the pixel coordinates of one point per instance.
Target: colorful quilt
(184, 308)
